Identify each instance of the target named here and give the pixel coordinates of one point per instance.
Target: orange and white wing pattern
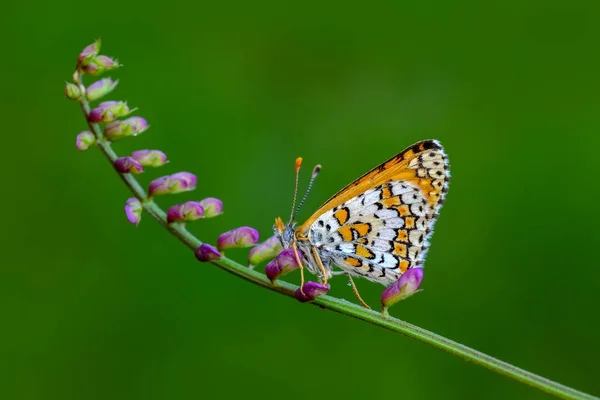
(379, 226)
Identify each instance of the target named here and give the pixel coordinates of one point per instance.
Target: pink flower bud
(85, 140)
(127, 165)
(310, 291)
(133, 210)
(98, 65)
(266, 250)
(172, 184)
(88, 53)
(212, 207)
(100, 88)
(150, 158)
(132, 126)
(283, 264)
(240, 237)
(206, 252)
(72, 91)
(108, 111)
(188, 211)
(404, 287)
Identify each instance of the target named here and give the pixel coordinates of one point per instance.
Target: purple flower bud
(72, 91)
(310, 291)
(97, 65)
(273, 271)
(107, 63)
(133, 210)
(188, 211)
(132, 126)
(287, 261)
(266, 250)
(88, 53)
(172, 184)
(150, 158)
(283, 264)
(127, 165)
(108, 111)
(100, 88)
(240, 237)
(206, 252)
(212, 207)
(404, 287)
(85, 140)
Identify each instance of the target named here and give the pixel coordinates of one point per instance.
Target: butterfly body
(378, 226)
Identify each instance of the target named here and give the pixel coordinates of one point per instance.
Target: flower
(404, 287)
(150, 158)
(188, 211)
(132, 126)
(212, 207)
(108, 111)
(268, 249)
(310, 291)
(172, 184)
(206, 252)
(88, 53)
(85, 140)
(72, 91)
(240, 237)
(283, 264)
(127, 165)
(99, 64)
(100, 88)
(133, 210)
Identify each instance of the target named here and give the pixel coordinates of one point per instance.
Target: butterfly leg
(295, 248)
(320, 264)
(355, 290)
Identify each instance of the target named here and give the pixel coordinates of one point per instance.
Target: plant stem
(331, 303)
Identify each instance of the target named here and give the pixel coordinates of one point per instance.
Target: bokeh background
(94, 308)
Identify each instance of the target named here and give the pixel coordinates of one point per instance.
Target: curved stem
(331, 303)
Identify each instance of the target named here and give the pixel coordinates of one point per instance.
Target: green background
(94, 308)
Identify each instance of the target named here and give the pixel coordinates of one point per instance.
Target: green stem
(331, 303)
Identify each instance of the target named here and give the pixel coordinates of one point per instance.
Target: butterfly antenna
(315, 172)
(298, 164)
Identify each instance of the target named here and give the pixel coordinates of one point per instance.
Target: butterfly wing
(379, 226)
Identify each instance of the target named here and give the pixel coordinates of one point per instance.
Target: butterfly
(378, 226)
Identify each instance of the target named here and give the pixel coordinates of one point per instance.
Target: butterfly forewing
(383, 230)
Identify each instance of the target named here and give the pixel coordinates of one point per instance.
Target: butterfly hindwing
(382, 231)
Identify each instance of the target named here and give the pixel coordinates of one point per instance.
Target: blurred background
(95, 308)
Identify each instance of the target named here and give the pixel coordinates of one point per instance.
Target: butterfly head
(285, 233)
